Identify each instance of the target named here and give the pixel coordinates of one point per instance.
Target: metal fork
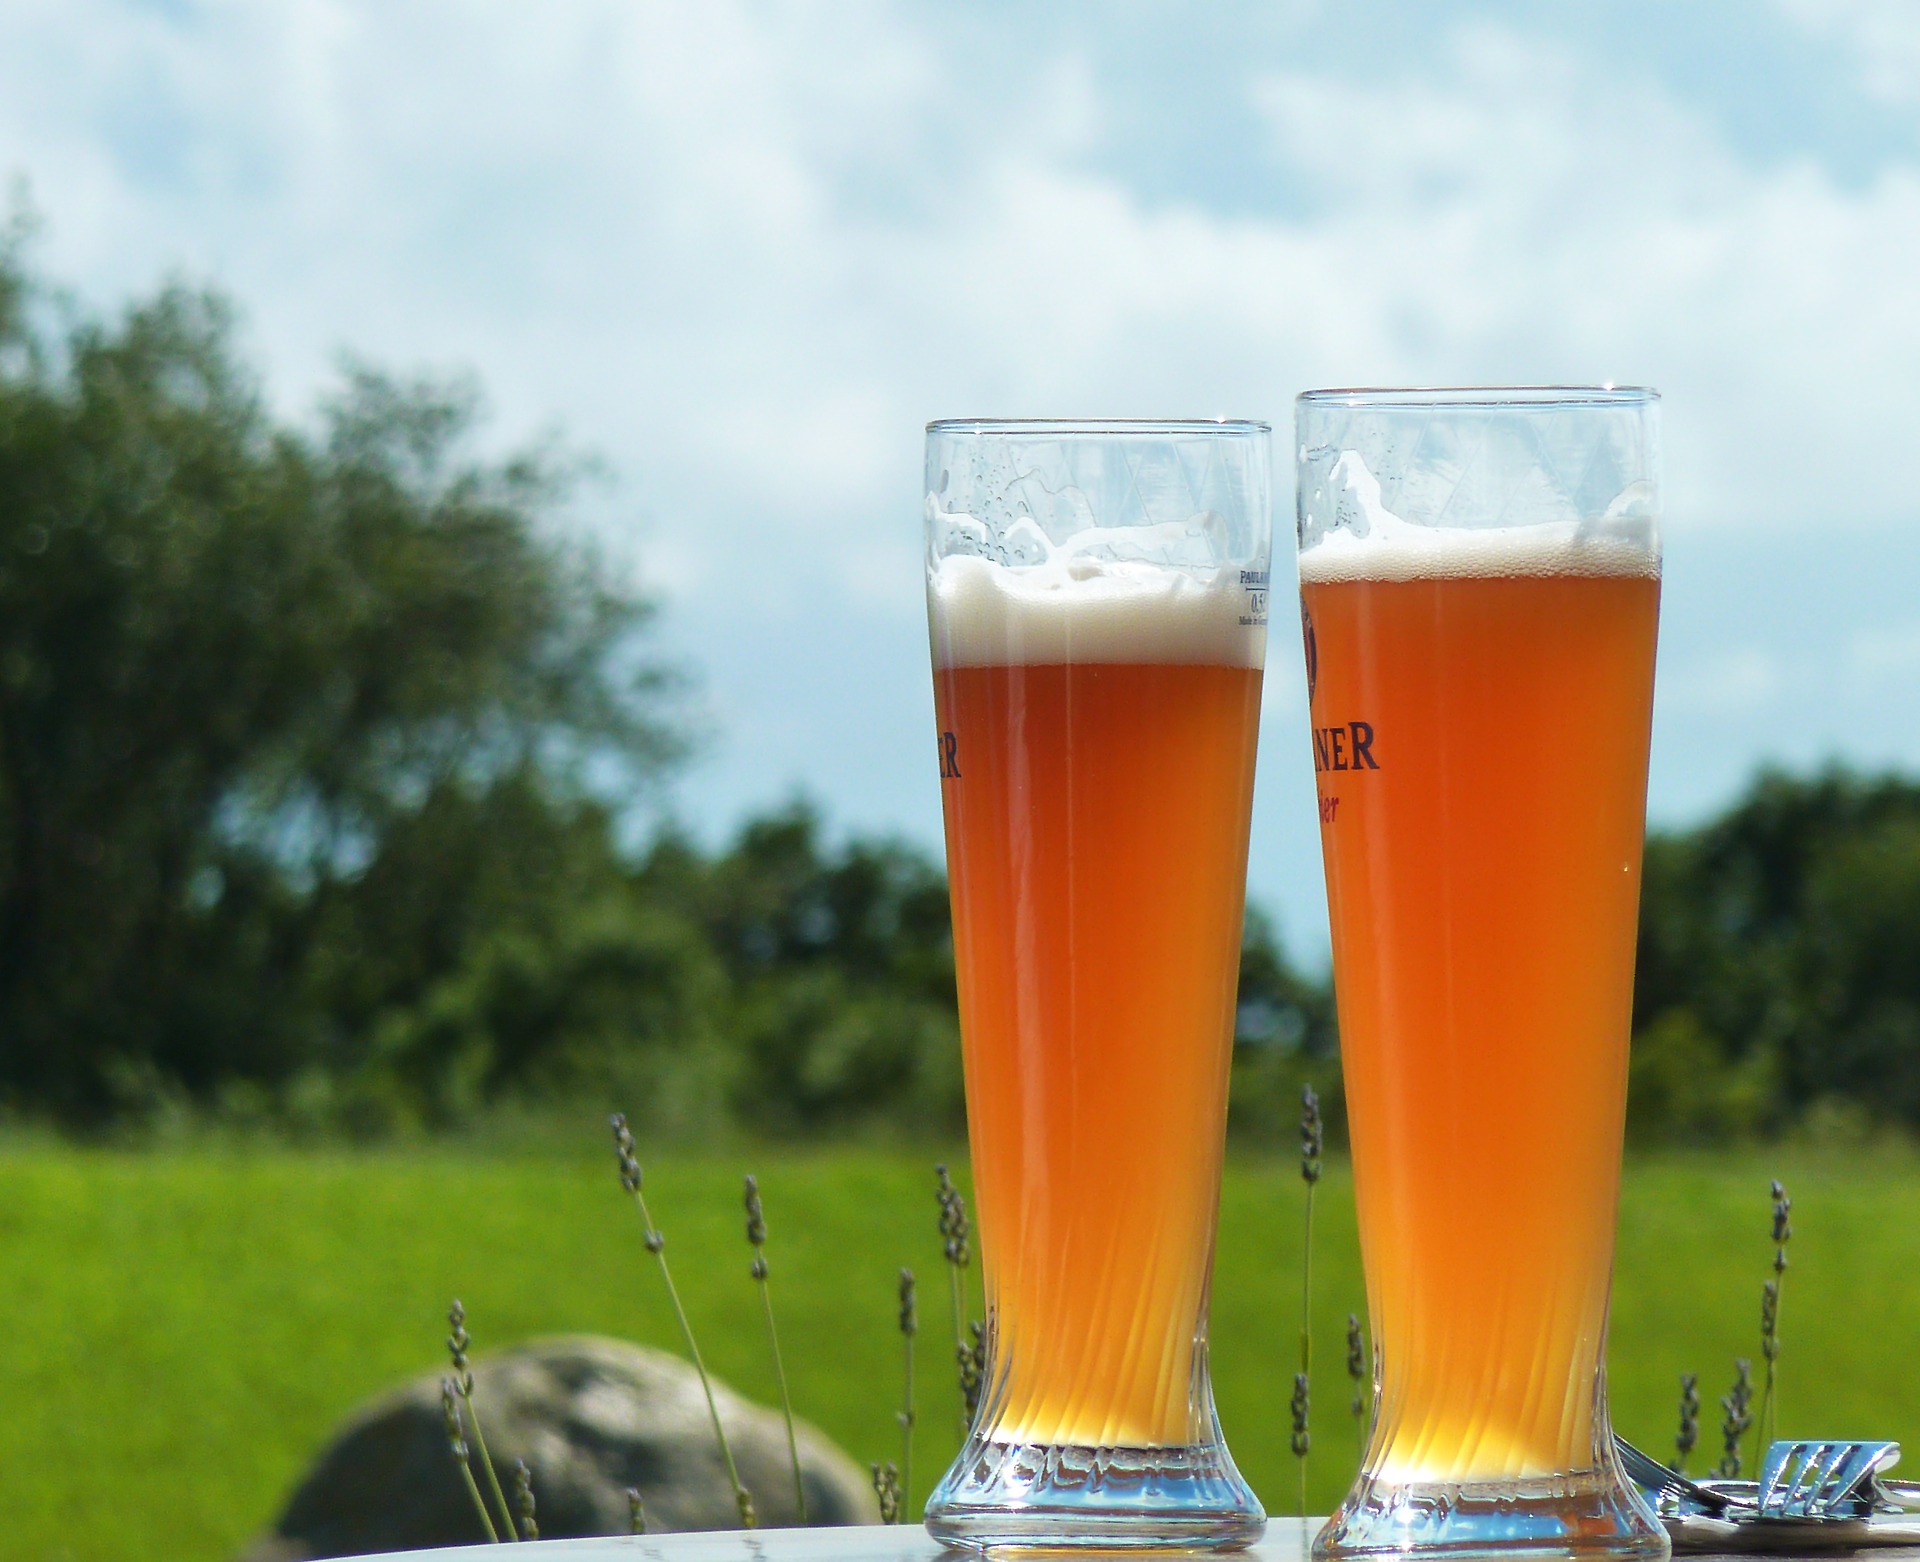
(1656, 1480)
(1805, 1480)
(1822, 1480)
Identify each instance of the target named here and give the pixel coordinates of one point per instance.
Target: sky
(744, 252)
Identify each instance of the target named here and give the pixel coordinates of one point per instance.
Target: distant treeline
(1779, 965)
(317, 747)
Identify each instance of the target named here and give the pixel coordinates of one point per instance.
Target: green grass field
(184, 1328)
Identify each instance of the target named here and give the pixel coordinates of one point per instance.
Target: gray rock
(591, 1417)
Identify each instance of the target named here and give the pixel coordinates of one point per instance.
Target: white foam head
(1404, 552)
(1623, 541)
(1081, 609)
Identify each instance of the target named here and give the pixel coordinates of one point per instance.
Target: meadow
(184, 1327)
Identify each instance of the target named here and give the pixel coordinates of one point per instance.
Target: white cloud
(1882, 36)
(1522, 214)
(749, 248)
(746, 249)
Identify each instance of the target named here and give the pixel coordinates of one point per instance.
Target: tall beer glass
(1097, 595)
(1480, 584)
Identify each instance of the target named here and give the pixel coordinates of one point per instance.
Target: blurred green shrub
(1779, 961)
(1683, 1089)
(839, 966)
(1284, 1038)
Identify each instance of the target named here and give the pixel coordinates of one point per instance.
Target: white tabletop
(1283, 1542)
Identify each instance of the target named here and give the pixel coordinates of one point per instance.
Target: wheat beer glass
(1479, 590)
(1097, 596)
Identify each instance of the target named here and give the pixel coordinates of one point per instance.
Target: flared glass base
(1589, 1515)
(1102, 1499)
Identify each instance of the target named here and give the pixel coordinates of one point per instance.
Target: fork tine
(1790, 1484)
(1852, 1478)
(1848, 1476)
(1832, 1486)
(1781, 1477)
(1806, 1479)
(1819, 1478)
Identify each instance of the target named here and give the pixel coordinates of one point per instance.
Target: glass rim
(1479, 397)
(1110, 427)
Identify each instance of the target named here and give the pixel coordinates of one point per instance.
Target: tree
(1782, 942)
(245, 671)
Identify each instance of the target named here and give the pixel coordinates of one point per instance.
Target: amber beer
(1097, 800)
(1482, 851)
(1097, 604)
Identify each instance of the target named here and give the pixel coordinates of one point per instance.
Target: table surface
(1283, 1542)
